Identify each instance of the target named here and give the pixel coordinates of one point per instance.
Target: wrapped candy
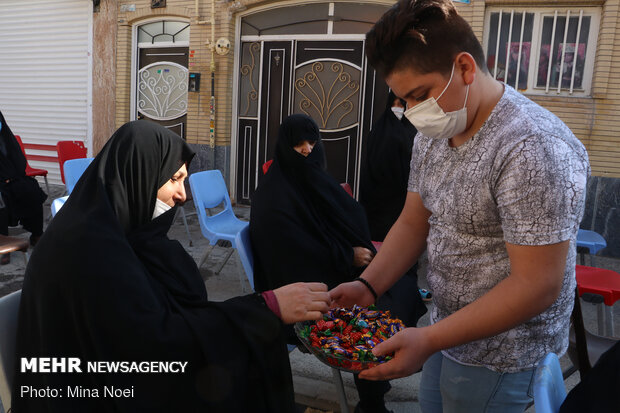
(345, 337)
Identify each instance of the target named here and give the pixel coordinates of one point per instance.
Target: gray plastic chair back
(9, 307)
(597, 345)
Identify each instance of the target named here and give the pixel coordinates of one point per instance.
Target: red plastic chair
(266, 166)
(69, 150)
(605, 283)
(30, 171)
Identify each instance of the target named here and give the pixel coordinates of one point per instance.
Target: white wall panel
(46, 71)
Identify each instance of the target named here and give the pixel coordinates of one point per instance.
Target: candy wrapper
(345, 337)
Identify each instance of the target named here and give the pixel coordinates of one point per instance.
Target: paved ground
(313, 381)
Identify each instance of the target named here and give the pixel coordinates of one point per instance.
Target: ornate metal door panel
(264, 92)
(327, 78)
(247, 127)
(162, 87)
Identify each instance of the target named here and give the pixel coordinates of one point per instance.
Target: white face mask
(160, 208)
(433, 122)
(398, 112)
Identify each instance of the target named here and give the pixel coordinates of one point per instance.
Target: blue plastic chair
(57, 204)
(209, 191)
(549, 390)
(74, 168)
(591, 240)
(244, 249)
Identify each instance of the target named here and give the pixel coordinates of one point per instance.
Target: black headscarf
(385, 170)
(303, 225)
(21, 194)
(106, 284)
(12, 159)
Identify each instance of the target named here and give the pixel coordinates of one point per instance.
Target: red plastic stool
(605, 283)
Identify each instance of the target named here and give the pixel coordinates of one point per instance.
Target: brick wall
(198, 115)
(104, 73)
(592, 119)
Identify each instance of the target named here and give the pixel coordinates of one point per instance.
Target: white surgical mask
(160, 208)
(398, 112)
(432, 121)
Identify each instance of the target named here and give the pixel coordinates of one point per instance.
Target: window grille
(546, 51)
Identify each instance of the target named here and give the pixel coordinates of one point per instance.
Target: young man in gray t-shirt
(496, 194)
(519, 180)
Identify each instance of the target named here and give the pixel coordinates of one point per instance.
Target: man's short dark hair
(425, 35)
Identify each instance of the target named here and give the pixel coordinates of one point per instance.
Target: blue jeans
(450, 387)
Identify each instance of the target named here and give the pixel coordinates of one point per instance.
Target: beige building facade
(561, 54)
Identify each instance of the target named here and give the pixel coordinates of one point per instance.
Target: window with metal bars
(543, 51)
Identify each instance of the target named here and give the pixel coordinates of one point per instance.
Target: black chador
(303, 225)
(105, 283)
(385, 170)
(21, 194)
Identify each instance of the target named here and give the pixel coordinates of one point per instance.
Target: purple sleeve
(272, 302)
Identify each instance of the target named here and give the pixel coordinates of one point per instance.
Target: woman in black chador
(305, 227)
(385, 170)
(21, 198)
(106, 284)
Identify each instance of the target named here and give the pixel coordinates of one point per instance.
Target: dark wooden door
(162, 87)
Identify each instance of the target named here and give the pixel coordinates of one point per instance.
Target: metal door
(162, 87)
(326, 80)
(328, 77)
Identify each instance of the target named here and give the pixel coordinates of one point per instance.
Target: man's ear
(466, 66)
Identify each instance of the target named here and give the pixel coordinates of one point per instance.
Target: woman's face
(173, 191)
(304, 147)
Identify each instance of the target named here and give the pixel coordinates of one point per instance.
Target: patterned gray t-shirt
(521, 179)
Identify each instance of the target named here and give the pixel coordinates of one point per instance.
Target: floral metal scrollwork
(162, 91)
(247, 71)
(335, 100)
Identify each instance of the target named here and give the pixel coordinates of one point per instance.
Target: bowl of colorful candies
(345, 337)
